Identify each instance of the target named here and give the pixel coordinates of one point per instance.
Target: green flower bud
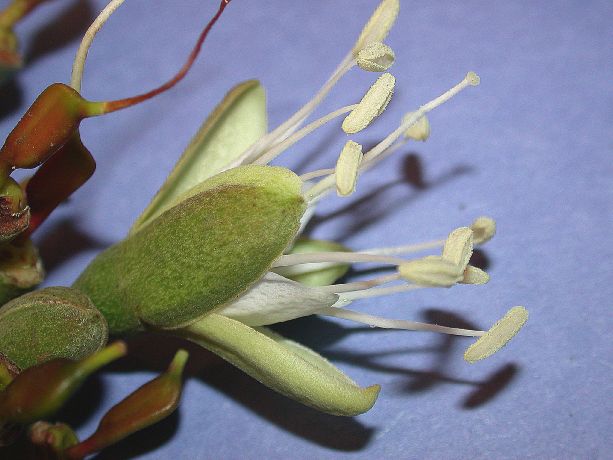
(50, 323)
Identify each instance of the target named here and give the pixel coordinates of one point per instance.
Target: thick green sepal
(205, 251)
(237, 122)
(320, 274)
(51, 323)
(285, 366)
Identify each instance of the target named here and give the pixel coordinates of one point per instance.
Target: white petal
(275, 299)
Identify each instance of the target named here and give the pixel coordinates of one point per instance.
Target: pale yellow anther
(431, 271)
(347, 168)
(459, 247)
(484, 228)
(498, 336)
(418, 131)
(379, 24)
(474, 275)
(372, 104)
(376, 57)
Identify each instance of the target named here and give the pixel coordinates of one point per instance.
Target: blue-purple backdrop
(531, 147)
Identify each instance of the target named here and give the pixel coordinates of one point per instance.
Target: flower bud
(149, 404)
(39, 391)
(51, 323)
(46, 126)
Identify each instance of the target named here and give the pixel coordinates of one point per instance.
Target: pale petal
(275, 299)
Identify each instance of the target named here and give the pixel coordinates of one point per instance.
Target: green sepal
(285, 366)
(321, 274)
(54, 322)
(205, 251)
(237, 122)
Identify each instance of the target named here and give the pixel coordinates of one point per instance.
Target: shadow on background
(67, 27)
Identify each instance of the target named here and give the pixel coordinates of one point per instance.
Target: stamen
(498, 336)
(267, 156)
(344, 257)
(407, 249)
(459, 247)
(432, 271)
(349, 297)
(386, 323)
(285, 129)
(324, 185)
(360, 285)
(88, 38)
(347, 168)
(379, 24)
(372, 104)
(484, 228)
(474, 275)
(315, 174)
(376, 57)
(471, 79)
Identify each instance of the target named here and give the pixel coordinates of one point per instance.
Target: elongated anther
(431, 271)
(347, 168)
(498, 336)
(379, 24)
(372, 104)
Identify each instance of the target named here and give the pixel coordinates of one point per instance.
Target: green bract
(203, 252)
(55, 322)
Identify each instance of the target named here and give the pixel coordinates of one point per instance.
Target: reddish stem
(112, 106)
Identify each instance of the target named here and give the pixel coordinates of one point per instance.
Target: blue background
(531, 147)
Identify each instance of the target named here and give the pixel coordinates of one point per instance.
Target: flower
(217, 254)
